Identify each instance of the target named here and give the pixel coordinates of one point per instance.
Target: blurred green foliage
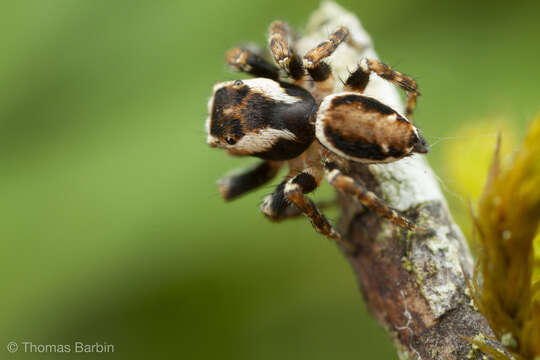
(112, 229)
(507, 222)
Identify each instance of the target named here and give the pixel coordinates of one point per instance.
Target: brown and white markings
(356, 127)
(302, 123)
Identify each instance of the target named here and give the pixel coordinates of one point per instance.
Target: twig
(406, 278)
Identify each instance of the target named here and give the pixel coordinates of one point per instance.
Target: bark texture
(413, 284)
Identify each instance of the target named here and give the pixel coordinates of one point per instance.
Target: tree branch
(412, 283)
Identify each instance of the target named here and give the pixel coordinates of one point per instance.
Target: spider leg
(348, 185)
(277, 208)
(238, 184)
(281, 51)
(244, 60)
(318, 69)
(359, 79)
(294, 191)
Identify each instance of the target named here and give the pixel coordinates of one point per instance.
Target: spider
(303, 123)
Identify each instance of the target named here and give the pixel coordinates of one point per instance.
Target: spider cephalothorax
(306, 125)
(261, 117)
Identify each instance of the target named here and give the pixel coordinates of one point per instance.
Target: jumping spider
(304, 124)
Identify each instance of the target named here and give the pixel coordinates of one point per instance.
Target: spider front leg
(244, 60)
(282, 53)
(238, 184)
(359, 79)
(349, 186)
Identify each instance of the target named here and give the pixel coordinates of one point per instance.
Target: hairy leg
(295, 189)
(348, 185)
(318, 69)
(359, 79)
(244, 60)
(281, 51)
(238, 184)
(276, 207)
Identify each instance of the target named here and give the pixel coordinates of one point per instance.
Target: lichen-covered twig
(413, 283)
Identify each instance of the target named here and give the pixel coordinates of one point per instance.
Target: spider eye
(238, 83)
(230, 140)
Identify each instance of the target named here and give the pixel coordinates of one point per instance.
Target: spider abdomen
(362, 129)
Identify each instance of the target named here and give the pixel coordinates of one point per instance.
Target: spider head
(260, 117)
(225, 125)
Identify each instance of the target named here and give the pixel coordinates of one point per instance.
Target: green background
(111, 227)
